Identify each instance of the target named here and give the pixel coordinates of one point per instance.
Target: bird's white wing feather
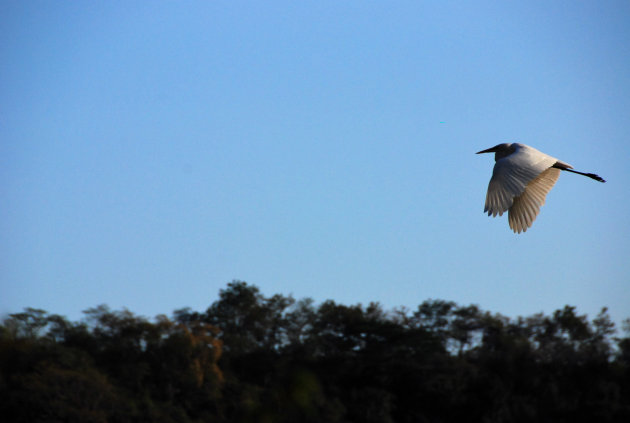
(511, 175)
(526, 206)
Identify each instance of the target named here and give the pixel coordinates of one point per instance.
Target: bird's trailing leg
(590, 175)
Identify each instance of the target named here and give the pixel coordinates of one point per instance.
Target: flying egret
(521, 179)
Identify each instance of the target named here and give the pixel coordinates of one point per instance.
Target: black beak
(490, 150)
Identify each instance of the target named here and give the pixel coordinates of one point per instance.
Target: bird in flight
(521, 179)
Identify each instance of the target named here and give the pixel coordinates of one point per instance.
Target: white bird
(521, 179)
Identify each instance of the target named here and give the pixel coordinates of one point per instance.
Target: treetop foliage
(252, 358)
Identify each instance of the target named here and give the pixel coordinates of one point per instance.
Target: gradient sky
(152, 152)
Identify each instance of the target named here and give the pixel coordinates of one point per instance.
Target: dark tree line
(251, 358)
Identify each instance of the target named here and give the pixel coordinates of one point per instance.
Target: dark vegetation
(251, 358)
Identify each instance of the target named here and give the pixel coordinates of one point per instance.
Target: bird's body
(521, 179)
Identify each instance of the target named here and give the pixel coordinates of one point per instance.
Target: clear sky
(151, 152)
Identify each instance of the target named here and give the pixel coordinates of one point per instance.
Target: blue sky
(151, 152)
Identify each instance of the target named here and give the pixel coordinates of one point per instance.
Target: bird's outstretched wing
(526, 206)
(511, 175)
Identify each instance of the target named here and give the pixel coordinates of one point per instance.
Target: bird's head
(500, 150)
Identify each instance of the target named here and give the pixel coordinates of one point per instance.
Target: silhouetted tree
(252, 358)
